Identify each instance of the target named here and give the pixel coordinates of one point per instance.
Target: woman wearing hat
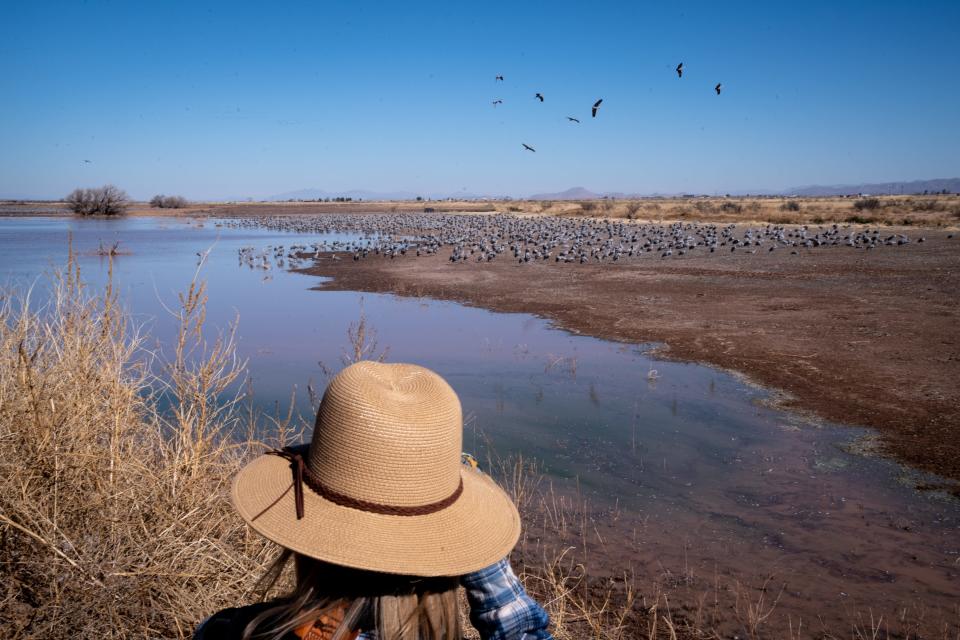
(383, 522)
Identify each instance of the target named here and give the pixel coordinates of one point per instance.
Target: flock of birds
(484, 238)
(593, 110)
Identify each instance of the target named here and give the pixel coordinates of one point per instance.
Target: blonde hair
(396, 607)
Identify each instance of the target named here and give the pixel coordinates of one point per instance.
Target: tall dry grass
(114, 520)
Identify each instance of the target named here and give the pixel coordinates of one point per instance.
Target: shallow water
(688, 476)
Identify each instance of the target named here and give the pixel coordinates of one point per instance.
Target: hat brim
(477, 530)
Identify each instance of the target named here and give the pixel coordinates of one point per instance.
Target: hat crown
(389, 434)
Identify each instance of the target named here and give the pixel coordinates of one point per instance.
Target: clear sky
(213, 100)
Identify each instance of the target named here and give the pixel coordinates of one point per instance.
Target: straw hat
(381, 486)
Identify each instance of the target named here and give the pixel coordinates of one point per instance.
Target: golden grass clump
(114, 517)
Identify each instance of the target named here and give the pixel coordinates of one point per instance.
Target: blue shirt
(500, 608)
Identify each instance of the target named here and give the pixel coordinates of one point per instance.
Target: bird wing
(597, 103)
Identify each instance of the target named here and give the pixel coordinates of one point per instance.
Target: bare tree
(168, 202)
(107, 200)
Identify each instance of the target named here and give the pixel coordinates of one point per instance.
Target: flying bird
(572, 119)
(680, 70)
(528, 147)
(596, 105)
(87, 161)
(497, 101)
(539, 97)
(717, 88)
(499, 78)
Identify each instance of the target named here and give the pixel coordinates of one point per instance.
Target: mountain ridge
(906, 187)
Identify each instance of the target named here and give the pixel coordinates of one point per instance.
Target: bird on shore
(528, 147)
(680, 70)
(717, 88)
(499, 78)
(539, 97)
(497, 101)
(572, 119)
(596, 105)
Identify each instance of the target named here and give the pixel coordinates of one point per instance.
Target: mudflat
(868, 338)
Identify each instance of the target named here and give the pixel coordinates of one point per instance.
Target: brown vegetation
(168, 202)
(107, 200)
(924, 211)
(113, 516)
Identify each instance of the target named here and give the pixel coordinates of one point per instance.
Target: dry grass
(932, 211)
(114, 521)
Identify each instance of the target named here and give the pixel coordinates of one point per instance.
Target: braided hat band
(303, 476)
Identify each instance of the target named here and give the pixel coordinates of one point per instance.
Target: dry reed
(114, 521)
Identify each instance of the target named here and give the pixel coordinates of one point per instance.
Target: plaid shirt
(500, 609)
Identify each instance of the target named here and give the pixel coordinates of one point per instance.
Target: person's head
(378, 510)
(342, 599)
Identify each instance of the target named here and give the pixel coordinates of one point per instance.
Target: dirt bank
(864, 338)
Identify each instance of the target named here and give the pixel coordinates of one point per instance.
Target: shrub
(868, 204)
(927, 205)
(107, 200)
(168, 202)
(790, 205)
(731, 207)
(703, 206)
(632, 209)
(859, 220)
(587, 206)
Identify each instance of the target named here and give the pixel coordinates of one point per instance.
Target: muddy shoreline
(853, 338)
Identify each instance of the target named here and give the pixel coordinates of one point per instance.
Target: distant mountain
(362, 194)
(576, 193)
(356, 194)
(952, 185)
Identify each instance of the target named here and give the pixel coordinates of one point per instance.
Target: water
(687, 475)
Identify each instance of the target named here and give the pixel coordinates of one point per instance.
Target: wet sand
(853, 337)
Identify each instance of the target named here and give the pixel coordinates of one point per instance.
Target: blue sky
(214, 100)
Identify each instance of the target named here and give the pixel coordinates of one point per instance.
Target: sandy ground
(854, 337)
